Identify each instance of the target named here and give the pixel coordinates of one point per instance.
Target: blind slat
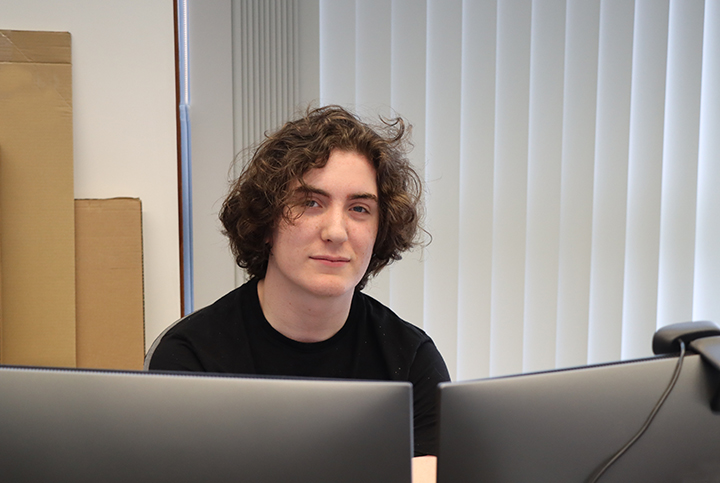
(477, 146)
(706, 303)
(642, 240)
(543, 192)
(610, 181)
(337, 52)
(442, 170)
(576, 187)
(372, 80)
(680, 154)
(510, 186)
(408, 41)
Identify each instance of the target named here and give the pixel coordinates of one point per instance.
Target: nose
(334, 228)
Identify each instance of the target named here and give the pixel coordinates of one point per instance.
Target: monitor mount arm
(700, 337)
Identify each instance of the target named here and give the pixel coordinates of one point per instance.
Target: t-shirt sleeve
(175, 354)
(427, 371)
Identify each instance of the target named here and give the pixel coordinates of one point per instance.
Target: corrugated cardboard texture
(36, 199)
(109, 284)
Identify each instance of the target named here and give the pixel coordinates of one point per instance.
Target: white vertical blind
(477, 147)
(610, 180)
(265, 75)
(373, 57)
(679, 165)
(265, 33)
(337, 52)
(373, 82)
(571, 155)
(407, 79)
(512, 91)
(582, 26)
(706, 303)
(642, 236)
(544, 161)
(442, 172)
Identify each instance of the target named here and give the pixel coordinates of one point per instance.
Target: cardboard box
(37, 225)
(1, 324)
(58, 252)
(109, 284)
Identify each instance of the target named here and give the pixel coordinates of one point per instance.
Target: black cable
(650, 418)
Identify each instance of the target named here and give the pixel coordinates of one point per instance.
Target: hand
(424, 469)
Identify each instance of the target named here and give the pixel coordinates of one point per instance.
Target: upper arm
(427, 371)
(174, 354)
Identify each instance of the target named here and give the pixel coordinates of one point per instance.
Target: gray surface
(77, 426)
(562, 426)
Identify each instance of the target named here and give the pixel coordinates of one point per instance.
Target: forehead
(344, 171)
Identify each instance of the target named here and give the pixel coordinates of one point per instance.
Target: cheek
(365, 241)
(294, 236)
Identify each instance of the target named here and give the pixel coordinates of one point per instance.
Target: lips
(330, 260)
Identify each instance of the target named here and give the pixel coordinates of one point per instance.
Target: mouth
(332, 261)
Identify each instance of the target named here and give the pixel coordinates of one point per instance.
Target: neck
(303, 317)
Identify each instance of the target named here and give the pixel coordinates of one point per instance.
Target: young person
(325, 203)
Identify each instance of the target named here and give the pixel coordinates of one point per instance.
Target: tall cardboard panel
(109, 283)
(36, 199)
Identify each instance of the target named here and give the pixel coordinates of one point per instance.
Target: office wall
(123, 121)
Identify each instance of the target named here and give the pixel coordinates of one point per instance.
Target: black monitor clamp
(701, 337)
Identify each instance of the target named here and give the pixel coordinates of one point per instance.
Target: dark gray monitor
(91, 426)
(562, 426)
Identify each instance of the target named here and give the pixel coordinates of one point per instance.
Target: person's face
(326, 250)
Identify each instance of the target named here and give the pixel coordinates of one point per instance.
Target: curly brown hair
(260, 196)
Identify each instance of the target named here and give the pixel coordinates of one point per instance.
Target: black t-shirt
(233, 336)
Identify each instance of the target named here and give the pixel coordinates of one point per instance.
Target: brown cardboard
(109, 284)
(36, 198)
(1, 324)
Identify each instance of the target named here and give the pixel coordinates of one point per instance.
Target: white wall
(123, 120)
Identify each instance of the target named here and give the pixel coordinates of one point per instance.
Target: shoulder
(410, 352)
(205, 339)
(388, 324)
(223, 311)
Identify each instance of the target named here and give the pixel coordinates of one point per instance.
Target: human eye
(311, 203)
(359, 209)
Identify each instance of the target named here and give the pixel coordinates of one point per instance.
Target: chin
(332, 288)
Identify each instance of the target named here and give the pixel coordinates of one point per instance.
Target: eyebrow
(308, 190)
